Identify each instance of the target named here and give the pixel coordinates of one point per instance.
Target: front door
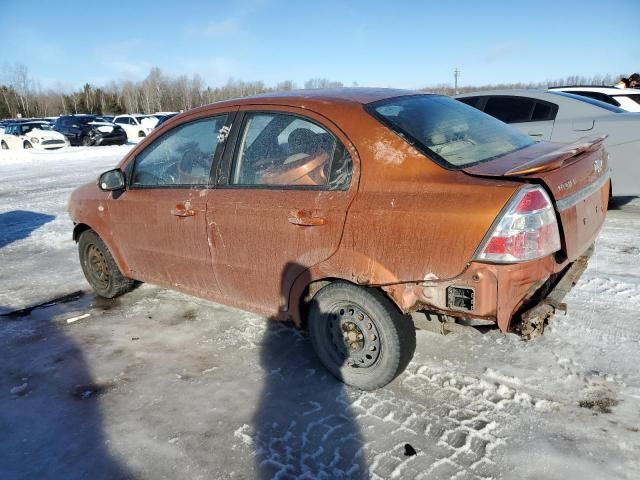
(281, 208)
(160, 220)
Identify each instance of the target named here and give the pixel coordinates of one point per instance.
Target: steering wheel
(306, 171)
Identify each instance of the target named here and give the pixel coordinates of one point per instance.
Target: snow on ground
(37, 256)
(157, 384)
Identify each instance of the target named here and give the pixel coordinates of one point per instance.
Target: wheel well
(78, 229)
(312, 288)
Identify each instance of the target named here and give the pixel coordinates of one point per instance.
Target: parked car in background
(31, 134)
(89, 130)
(626, 98)
(107, 118)
(565, 117)
(136, 126)
(349, 208)
(163, 118)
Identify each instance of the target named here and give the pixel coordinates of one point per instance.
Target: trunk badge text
(567, 185)
(598, 163)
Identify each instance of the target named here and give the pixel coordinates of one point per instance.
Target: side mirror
(111, 180)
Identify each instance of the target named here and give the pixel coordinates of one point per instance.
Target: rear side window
(450, 132)
(472, 101)
(510, 109)
(543, 111)
(289, 151)
(181, 157)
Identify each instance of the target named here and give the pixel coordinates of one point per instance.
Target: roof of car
(613, 91)
(510, 92)
(27, 122)
(352, 95)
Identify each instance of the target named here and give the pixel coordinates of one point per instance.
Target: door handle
(534, 134)
(305, 219)
(182, 211)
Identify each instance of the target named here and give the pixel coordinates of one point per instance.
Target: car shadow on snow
(18, 224)
(304, 426)
(51, 423)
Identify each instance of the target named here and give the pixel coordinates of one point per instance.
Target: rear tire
(99, 267)
(27, 144)
(359, 335)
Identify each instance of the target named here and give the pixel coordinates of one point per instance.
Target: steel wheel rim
(353, 336)
(97, 266)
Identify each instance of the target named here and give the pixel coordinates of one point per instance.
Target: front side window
(181, 157)
(451, 132)
(286, 150)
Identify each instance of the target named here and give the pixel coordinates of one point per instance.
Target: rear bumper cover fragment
(532, 321)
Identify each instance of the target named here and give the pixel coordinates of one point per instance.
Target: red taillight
(533, 200)
(528, 229)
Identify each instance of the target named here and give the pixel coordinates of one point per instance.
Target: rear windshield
(635, 98)
(452, 133)
(591, 101)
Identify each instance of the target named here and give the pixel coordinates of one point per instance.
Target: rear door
(531, 116)
(280, 204)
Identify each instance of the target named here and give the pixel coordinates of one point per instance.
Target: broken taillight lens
(526, 230)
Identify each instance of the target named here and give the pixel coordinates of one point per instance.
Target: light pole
(456, 74)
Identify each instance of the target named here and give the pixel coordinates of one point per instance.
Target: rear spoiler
(555, 159)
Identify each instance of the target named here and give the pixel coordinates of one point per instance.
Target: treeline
(601, 80)
(20, 94)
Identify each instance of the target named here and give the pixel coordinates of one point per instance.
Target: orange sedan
(348, 211)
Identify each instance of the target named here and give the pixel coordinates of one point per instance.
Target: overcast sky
(387, 43)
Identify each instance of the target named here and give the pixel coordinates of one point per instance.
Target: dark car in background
(164, 118)
(89, 130)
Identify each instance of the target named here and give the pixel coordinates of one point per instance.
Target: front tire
(99, 267)
(359, 335)
(27, 145)
(85, 141)
(4, 146)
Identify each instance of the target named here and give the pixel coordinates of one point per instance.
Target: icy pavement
(157, 384)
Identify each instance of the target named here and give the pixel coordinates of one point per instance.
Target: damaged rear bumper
(533, 320)
(518, 297)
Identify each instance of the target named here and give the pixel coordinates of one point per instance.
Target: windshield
(591, 101)
(85, 119)
(452, 133)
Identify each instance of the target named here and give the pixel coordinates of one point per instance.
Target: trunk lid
(575, 175)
